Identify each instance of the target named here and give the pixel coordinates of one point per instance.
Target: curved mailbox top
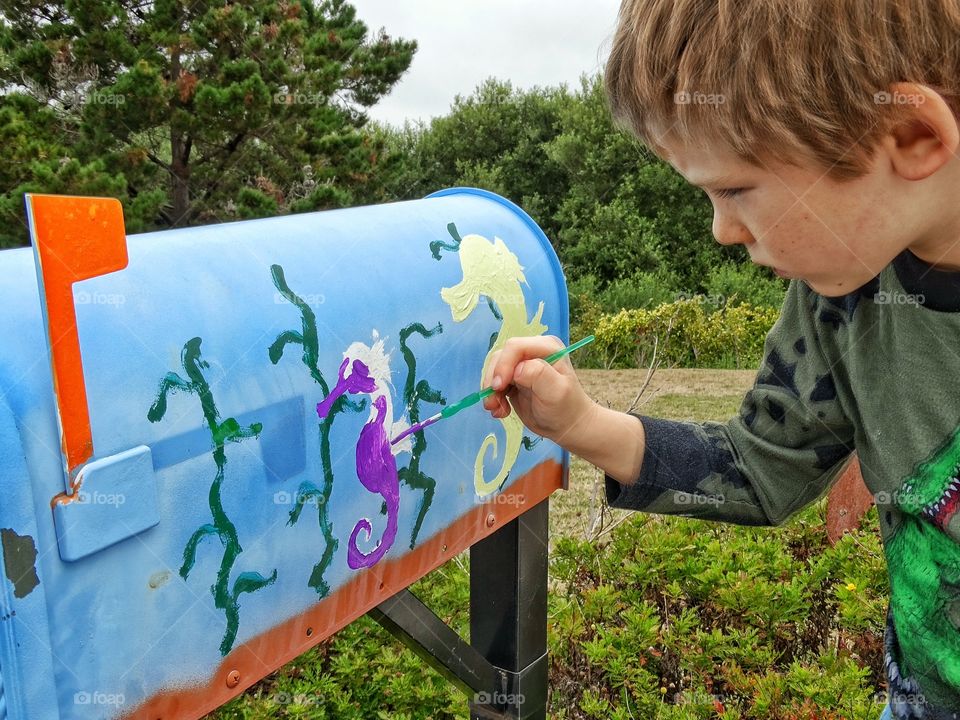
(195, 434)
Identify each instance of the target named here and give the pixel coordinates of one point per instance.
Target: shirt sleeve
(784, 448)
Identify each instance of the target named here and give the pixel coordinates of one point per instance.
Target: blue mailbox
(198, 481)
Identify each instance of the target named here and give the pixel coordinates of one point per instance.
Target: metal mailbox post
(197, 482)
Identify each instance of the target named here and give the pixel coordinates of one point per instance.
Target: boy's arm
(780, 453)
(613, 441)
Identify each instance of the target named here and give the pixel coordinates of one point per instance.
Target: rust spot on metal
(848, 502)
(158, 578)
(63, 498)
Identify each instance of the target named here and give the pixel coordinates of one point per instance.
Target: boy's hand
(551, 402)
(548, 398)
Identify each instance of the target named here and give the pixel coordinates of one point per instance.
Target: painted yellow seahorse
(492, 271)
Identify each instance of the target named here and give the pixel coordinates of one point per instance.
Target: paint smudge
(158, 579)
(221, 432)
(529, 443)
(19, 562)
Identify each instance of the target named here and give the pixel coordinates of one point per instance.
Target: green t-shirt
(878, 371)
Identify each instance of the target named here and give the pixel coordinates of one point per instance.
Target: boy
(825, 134)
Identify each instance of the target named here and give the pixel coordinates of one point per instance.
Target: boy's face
(836, 236)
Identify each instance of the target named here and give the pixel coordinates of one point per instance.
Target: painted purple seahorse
(376, 466)
(358, 382)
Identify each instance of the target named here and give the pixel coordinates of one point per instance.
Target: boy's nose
(729, 232)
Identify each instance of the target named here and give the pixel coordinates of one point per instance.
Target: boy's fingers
(497, 405)
(491, 366)
(532, 373)
(504, 409)
(515, 351)
(491, 402)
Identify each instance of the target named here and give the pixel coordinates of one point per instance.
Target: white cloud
(462, 43)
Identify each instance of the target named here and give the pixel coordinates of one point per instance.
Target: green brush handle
(553, 357)
(471, 399)
(476, 397)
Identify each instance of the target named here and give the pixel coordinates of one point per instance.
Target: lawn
(650, 617)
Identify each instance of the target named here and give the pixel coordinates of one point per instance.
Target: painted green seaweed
(530, 443)
(413, 394)
(229, 430)
(308, 492)
(437, 245)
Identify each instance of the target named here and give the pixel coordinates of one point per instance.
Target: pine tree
(190, 111)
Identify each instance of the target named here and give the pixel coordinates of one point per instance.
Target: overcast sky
(528, 42)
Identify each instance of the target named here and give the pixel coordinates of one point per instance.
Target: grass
(650, 617)
(672, 394)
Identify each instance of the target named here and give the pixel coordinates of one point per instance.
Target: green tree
(616, 215)
(625, 209)
(493, 139)
(191, 112)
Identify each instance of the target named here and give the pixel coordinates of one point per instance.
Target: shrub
(685, 333)
(684, 619)
(745, 283)
(583, 293)
(642, 290)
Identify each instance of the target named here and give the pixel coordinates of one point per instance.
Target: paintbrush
(474, 398)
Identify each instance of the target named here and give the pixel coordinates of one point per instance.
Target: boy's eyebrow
(709, 183)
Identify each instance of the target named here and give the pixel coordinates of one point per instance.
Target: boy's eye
(728, 192)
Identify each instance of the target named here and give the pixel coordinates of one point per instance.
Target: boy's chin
(834, 287)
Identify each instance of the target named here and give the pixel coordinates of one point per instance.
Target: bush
(583, 293)
(642, 290)
(745, 283)
(685, 333)
(589, 301)
(683, 619)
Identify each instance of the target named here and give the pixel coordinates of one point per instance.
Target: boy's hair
(789, 79)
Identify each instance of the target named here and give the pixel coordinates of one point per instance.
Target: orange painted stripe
(266, 652)
(76, 238)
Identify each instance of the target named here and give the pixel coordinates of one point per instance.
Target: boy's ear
(927, 137)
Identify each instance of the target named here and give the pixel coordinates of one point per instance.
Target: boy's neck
(941, 256)
(938, 204)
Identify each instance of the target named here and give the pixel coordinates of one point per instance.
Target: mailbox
(198, 480)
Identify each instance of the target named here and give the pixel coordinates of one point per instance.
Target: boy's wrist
(611, 440)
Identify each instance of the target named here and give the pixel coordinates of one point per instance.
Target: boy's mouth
(775, 270)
